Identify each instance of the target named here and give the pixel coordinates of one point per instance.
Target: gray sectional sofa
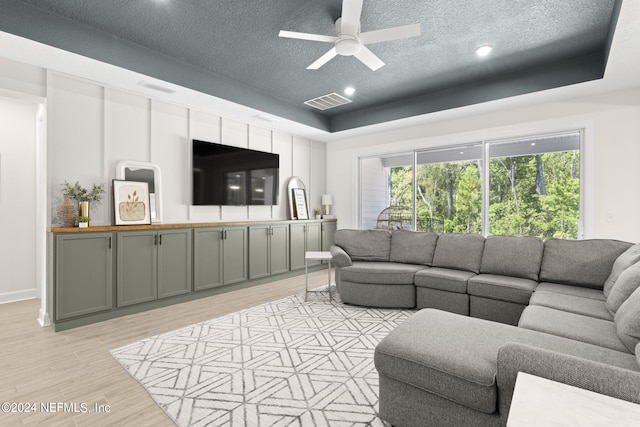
(567, 310)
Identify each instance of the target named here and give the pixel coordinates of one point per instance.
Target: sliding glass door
(531, 187)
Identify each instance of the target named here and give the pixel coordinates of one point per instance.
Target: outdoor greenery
(533, 195)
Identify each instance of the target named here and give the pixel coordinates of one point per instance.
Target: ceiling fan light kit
(349, 41)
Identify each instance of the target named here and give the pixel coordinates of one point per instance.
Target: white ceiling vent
(328, 101)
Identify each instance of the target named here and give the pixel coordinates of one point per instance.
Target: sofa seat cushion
(573, 326)
(413, 247)
(455, 357)
(503, 288)
(571, 303)
(515, 256)
(444, 279)
(578, 291)
(364, 245)
(388, 273)
(459, 251)
(580, 262)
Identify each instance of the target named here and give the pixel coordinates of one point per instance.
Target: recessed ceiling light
(350, 90)
(484, 50)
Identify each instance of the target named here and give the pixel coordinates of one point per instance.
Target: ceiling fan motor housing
(348, 45)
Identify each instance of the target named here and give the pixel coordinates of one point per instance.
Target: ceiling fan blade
(350, 23)
(307, 36)
(369, 58)
(323, 59)
(387, 34)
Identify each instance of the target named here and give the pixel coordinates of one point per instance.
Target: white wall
(91, 127)
(17, 199)
(612, 176)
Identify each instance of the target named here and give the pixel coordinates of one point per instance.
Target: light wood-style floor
(38, 365)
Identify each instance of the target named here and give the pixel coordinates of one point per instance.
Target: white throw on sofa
(567, 310)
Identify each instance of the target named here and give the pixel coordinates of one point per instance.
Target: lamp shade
(326, 199)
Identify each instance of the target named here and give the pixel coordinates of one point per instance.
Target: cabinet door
(314, 239)
(297, 245)
(279, 249)
(328, 232)
(234, 254)
(137, 266)
(259, 251)
(84, 274)
(207, 263)
(174, 262)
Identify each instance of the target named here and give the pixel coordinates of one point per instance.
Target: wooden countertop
(182, 225)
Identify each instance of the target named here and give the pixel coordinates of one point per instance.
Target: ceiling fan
(349, 41)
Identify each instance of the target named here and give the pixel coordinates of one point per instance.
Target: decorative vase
(83, 209)
(83, 224)
(67, 213)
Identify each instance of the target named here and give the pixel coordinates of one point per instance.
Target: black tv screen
(232, 176)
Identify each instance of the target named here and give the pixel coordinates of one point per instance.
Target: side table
(541, 402)
(316, 255)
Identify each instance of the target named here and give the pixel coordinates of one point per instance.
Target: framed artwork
(131, 202)
(300, 203)
(131, 170)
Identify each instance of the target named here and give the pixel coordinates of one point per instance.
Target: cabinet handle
(155, 240)
(160, 239)
(109, 242)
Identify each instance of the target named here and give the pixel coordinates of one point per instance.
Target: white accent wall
(91, 127)
(612, 154)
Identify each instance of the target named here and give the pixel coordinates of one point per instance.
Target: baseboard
(14, 296)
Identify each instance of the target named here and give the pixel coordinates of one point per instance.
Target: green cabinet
(304, 237)
(268, 250)
(328, 233)
(83, 274)
(153, 264)
(220, 256)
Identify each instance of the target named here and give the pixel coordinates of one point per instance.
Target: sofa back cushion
(512, 256)
(459, 251)
(413, 247)
(627, 320)
(364, 245)
(624, 261)
(624, 286)
(580, 262)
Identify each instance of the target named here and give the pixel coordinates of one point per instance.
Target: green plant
(317, 211)
(84, 219)
(81, 194)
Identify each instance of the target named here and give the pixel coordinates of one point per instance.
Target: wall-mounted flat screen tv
(232, 176)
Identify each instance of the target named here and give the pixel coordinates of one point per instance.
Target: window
(531, 187)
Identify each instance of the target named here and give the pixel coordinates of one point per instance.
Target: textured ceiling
(230, 49)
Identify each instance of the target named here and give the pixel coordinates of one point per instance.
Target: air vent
(328, 101)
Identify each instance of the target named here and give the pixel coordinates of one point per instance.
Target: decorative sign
(300, 203)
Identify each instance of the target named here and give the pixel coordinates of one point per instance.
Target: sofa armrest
(583, 373)
(339, 257)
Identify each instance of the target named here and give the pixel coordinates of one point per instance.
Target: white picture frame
(131, 202)
(300, 203)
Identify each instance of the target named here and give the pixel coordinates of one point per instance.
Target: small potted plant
(318, 213)
(83, 221)
(83, 196)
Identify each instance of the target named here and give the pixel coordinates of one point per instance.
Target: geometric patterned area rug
(283, 363)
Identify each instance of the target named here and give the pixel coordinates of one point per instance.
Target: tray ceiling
(231, 49)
